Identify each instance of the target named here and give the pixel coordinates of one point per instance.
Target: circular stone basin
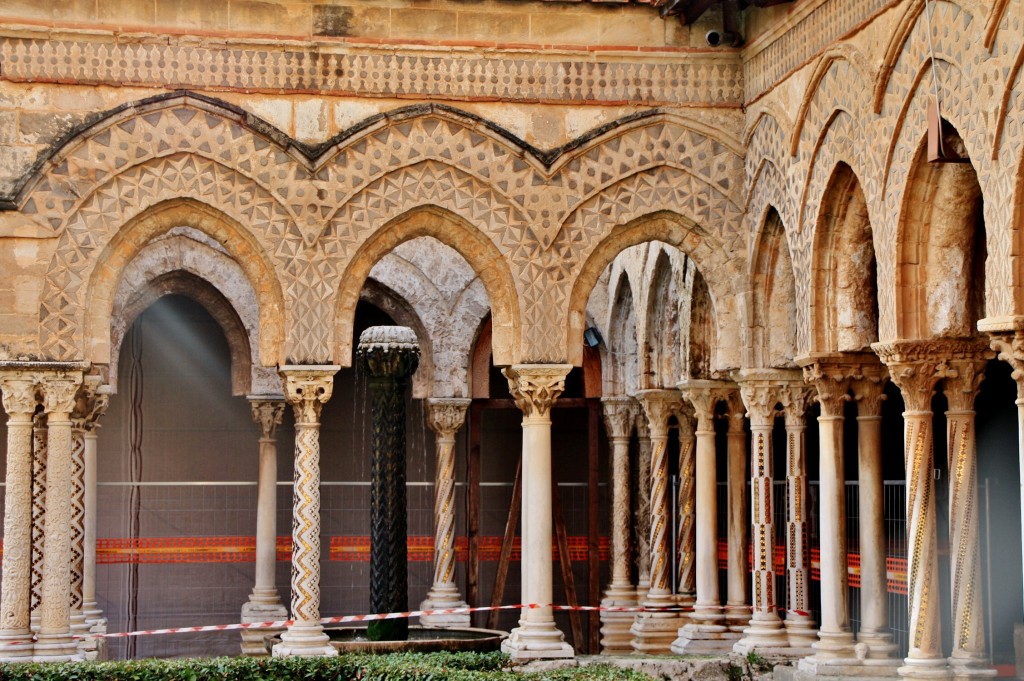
(421, 640)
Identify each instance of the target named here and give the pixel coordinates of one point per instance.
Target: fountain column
(20, 397)
(264, 604)
(619, 413)
(445, 417)
(737, 610)
(961, 385)
(760, 392)
(535, 388)
(389, 355)
(706, 631)
(655, 629)
(800, 627)
(307, 388)
(54, 642)
(874, 631)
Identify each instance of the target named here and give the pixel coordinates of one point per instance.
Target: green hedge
(395, 667)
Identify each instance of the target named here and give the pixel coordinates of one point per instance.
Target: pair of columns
(71, 404)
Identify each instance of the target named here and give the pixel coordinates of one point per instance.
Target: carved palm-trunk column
(20, 397)
(307, 388)
(89, 404)
(874, 607)
(831, 379)
(655, 629)
(686, 591)
(737, 610)
(445, 416)
(760, 393)
(535, 388)
(38, 513)
(915, 367)
(54, 642)
(961, 388)
(389, 354)
(799, 623)
(642, 509)
(264, 604)
(706, 631)
(619, 413)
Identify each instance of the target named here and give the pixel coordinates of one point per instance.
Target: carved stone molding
(705, 396)
(90, 404)
(20, 394)
(834, 374)
(761, 390)
(445, 415)
(659, 406)
(535, 387)
(796, 398)
(307, 389)
(619, 414)
(917, 366)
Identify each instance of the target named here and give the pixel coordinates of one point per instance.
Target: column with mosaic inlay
(264, 604)
(20, 398)
(38, 513)
(655, 629)
(54, 642)
(759, 389)
(445, 417)
(867, 389)
(307, 388)
(619, 414)
(686, 584)
(705, 633)
(961, 385)
(642, 507)
(916, 367)
(535, 388)
(800, 627)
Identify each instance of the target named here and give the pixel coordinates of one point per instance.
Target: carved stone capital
(619, 415)
(307, 389)
(659, 406)
(963, 381)
(869, 393)
(535, 387)
(761, 390)
(916, 366)
(1009, 347)
(267, 413)
(704, 396)
(796, 398)
(445, 415)
(20, 394)
(59, 390)
(91, 403)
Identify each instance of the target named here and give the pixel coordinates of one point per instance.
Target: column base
(655, 632)
(616, 638)
(306, 639)
(737, 617)
(695, 638)
(536, 641)
(838, 645)
(811, 668)
(971, 667)
(444, 620)
(925, 668)
(79, 625)
(16, 646)
(880, 645)
(56, 648)
(765, 635)
(97, 626)
(254, 640)
(801, 632)
(93, 648)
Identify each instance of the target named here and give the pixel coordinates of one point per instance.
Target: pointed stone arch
(663, 345)
(623, 348)
(774, 336)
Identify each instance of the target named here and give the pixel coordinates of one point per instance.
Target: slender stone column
(619, 414)
(686, 591)
(737, 610)
(706, 631)
(961, 387)
(535, 387)
(760, 392)
(92, 647)
(38, 513)
(54, 642)
(799, 622)
(874, 607)
(445, 416)
(307, 388)
(264, 604)
(831, 379)
(655, 629)
(20, 397)
(915, 367)
(642, 512)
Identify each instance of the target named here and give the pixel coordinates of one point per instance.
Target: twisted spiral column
(535, 387)
(686, 536)
(20, 397)
(54, 642)
(307, 389)
(619, 414)
(445, 417)
(642, 509)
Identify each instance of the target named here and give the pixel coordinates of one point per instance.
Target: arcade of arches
(783, 276)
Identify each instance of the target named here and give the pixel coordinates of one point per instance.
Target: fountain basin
(421, 640)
